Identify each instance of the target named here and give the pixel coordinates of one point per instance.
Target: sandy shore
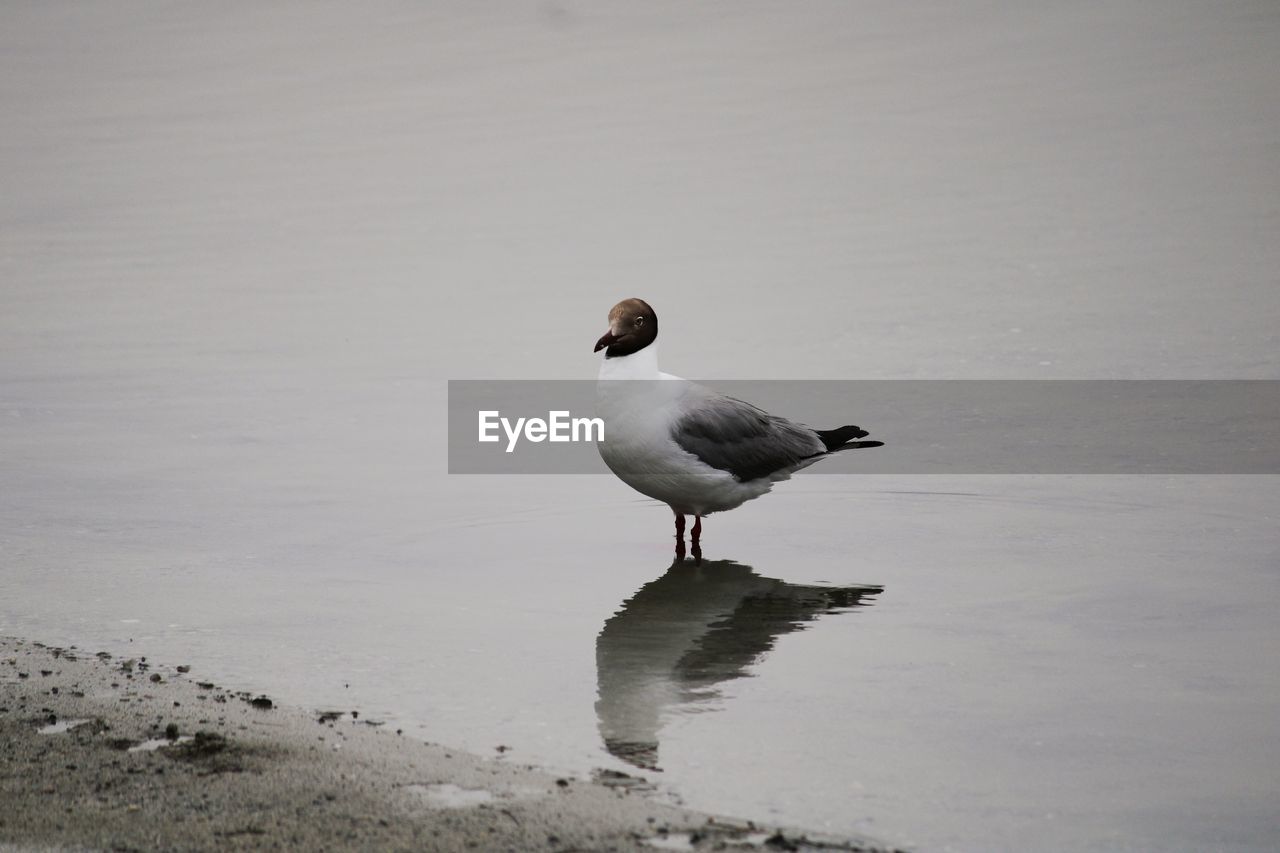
(108, 753)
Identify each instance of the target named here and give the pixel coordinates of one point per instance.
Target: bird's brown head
(632, 327)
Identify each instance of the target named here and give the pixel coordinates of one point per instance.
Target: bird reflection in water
(683, 634)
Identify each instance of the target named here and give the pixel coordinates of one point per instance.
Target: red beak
(609, 338)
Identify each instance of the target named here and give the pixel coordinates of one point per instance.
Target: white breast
(638, 405)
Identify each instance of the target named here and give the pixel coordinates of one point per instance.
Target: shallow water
(1071, 659)
(152, 744)
(61, 726)
(242, 251)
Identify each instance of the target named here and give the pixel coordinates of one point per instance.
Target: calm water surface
(242, 249)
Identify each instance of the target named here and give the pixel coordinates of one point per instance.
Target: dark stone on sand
(171, 731)
(155, 676)
(183, 668)
(261, 702)
(778, 841)
(202, 745)
(621, 781)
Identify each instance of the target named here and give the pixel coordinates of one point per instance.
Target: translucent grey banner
(927, 426)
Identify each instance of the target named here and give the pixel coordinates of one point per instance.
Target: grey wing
(745, 441)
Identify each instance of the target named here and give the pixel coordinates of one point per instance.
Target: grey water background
(244, 246)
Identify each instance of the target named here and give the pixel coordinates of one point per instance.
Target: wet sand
(109, 753)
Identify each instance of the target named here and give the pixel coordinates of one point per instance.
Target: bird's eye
(639, 321)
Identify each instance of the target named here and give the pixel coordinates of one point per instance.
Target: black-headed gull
(695, 450)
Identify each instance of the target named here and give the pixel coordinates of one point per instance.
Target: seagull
(697, 451)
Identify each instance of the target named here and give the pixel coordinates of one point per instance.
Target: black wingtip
(839, 438)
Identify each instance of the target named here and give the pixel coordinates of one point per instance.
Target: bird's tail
(842, 438)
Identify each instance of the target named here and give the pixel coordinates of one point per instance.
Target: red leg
(695, 539)
(679, 536)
